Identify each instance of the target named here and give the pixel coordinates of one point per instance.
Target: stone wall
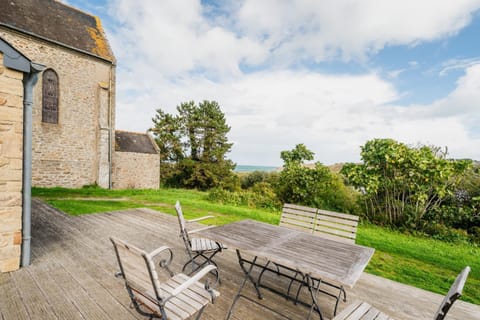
(11, 160)
(71, 153)
(132, 170)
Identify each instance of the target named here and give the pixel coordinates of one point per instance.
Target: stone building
(17, 78)
(63, 132)
(74, 106)
(136, 162)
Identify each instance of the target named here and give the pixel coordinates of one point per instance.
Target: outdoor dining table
(311, 256)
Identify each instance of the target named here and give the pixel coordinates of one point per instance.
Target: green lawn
(425, 263)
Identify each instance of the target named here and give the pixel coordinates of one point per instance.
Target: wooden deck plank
(80, 289)
(73, 264)
(99, 283)
(54, 293)
(30, 292)
(11, 305)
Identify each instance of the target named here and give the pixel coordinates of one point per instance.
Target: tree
(195, 145)
(401, 183)
(316, 186)
(168, 137)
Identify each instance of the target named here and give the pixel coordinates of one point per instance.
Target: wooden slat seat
(323, 223)
(178, 297)
(202, 244)
(360, 310)
(200, 250)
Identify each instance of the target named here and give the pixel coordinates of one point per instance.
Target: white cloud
(458, 64)
(273, 111)
(308, 29)
(173, 51)
(172, 37)
(333, 115)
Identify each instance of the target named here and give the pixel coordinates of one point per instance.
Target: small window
(50, 96)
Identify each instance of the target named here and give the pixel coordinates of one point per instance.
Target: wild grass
(418, 261)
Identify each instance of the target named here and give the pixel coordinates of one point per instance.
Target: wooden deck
(71, 276)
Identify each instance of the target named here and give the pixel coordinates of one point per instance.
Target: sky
(331, 74)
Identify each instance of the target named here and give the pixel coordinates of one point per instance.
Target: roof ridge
(74, 8)
(59, 23)
(133, 132)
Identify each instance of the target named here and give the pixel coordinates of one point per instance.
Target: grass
(422, 262)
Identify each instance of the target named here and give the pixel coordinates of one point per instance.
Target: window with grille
(50, 96)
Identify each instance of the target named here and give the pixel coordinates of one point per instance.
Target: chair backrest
(453, 294)
(327, 224)
(183, 225)
(337, 226)
(137, 269)
(298, 217)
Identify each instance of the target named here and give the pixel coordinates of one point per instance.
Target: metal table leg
(313, 294)
(247, 277)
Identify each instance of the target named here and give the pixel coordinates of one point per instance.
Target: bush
(260, 196)
(249, 179)
(403, 184)
(317, 187)
(441, 232)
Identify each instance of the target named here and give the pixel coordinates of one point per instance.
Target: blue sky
(331, 74)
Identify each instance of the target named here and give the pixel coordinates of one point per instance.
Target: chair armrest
(159, 250)
(163, 263)
(193, 279)
(200, 219)
(200, 229)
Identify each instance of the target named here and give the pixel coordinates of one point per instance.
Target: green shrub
(260, 195)
(442, 232)
(249, 179)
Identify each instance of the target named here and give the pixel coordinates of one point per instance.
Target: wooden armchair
(200, 250)
(360, 310)
(177, 298)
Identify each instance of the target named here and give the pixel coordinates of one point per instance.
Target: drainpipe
(111, 127)
(29, 81)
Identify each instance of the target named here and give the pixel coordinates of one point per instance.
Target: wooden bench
(360, 310)
(327, 224)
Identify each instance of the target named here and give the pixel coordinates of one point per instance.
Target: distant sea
(245, 168)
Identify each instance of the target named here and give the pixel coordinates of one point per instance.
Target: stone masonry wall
(66, 154)
(136, 170)
(11, 159)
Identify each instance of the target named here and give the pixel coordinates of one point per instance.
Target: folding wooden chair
(360, 310)
(200, 250)
(177, 298)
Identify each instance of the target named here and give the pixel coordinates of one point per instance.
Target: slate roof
(57, 22)
(134, 142)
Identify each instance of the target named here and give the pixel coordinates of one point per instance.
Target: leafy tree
(195, 145)
(318, 186)
(401, 183)
(168, 137)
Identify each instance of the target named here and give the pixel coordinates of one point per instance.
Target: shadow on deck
(71, 276)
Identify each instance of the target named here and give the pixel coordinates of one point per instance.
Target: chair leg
(206, 260)
(200, 313)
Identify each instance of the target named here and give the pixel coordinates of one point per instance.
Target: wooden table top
(321, 258)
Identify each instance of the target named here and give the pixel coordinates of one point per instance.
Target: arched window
(50, 96)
